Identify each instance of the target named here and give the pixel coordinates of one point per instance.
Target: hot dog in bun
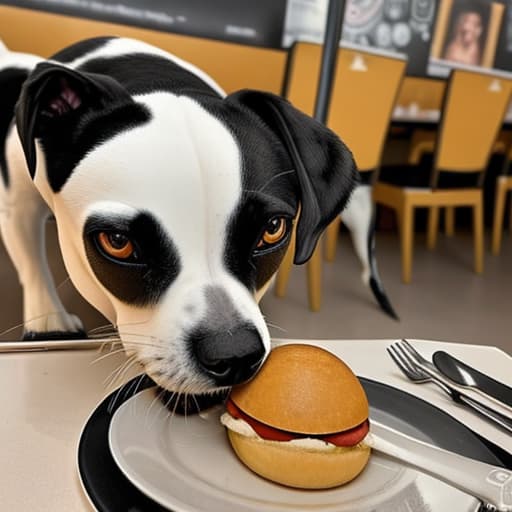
(302, 420)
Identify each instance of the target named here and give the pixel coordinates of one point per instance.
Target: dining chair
(475, 104)
(364, 92)
(423, 141)
(503, 186)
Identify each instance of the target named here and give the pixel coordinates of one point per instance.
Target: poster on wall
(466, 34)
(241, 21)
(397, 26)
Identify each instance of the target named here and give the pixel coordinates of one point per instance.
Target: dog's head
(175, 212)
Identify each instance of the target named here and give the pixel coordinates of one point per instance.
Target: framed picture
(466, 34)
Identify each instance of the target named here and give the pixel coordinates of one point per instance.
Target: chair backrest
(474, 107)
(364, 92)
(426, 93)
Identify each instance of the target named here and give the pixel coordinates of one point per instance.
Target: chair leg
(499, 211)
(449, 221)
(315, 278)
(283, 273)
(433, 223)
(331, 239)
(510, 217)
(478, 227)
(407, 240)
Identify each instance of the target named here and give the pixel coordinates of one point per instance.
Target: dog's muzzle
(230, 357)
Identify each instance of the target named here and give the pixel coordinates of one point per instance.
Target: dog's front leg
(22, 224)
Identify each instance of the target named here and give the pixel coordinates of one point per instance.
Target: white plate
(187, 465)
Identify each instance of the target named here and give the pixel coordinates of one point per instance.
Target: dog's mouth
(187, 404)
(191, 389)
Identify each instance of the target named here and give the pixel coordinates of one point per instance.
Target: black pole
(332, 38)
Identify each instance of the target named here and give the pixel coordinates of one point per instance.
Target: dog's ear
(54, 99)
(325, 168)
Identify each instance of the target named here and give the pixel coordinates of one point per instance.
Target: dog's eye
(116, 244)
(275, 231)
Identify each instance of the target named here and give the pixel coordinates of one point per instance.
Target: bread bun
(304, 389)
(294, 466)
(308, 391)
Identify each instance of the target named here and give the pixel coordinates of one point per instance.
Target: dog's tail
(359, 217)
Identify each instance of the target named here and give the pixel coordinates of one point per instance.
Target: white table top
(415, 115)
(48, 396)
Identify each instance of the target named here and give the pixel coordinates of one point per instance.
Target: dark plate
(110, 491)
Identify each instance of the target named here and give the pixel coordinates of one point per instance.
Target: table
(48, 396)
(415, 115)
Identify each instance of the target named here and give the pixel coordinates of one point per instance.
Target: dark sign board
(504, 51)
(396, 26)
(242, 21)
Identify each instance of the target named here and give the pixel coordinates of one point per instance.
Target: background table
(46, 398)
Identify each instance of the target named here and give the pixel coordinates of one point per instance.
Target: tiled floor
(446, 300)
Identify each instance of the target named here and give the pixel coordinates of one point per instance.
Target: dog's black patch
(147, 276)
(142, 73)
(104, 88)
(78, 50)
(269, 189)
(251, 266)
(11, 80)
(70, 142)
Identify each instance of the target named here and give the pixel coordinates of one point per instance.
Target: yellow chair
(475, 105)
(364, 93)
(503, 186)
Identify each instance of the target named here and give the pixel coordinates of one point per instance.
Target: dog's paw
(53, 335)
(188, 404)
(54, 326)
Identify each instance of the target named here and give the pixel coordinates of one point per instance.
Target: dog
(174, 202)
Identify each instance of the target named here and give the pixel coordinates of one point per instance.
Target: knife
(46, 345)
(491, 484)
(465, 375)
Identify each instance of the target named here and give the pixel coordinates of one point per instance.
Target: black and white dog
(174, 203)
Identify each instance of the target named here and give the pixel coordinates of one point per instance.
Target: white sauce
(243, 428)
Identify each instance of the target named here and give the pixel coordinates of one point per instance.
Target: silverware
(491, 484)
(419, 370)
(46, 345)
(465, 375)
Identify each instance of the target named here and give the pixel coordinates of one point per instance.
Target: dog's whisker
(278, 327)
(108, 354)
(111, 378)
(134, 361)
(275, 177)
(158, 396)
(139, 382)
(175, 406)
(134, 342)
(28, 321)
(63, 282)
(116, 396)
(101, 328)
(108, 379)
(129, 389)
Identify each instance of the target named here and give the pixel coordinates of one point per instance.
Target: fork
(419, 370)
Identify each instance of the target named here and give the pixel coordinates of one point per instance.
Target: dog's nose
(229, 358)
